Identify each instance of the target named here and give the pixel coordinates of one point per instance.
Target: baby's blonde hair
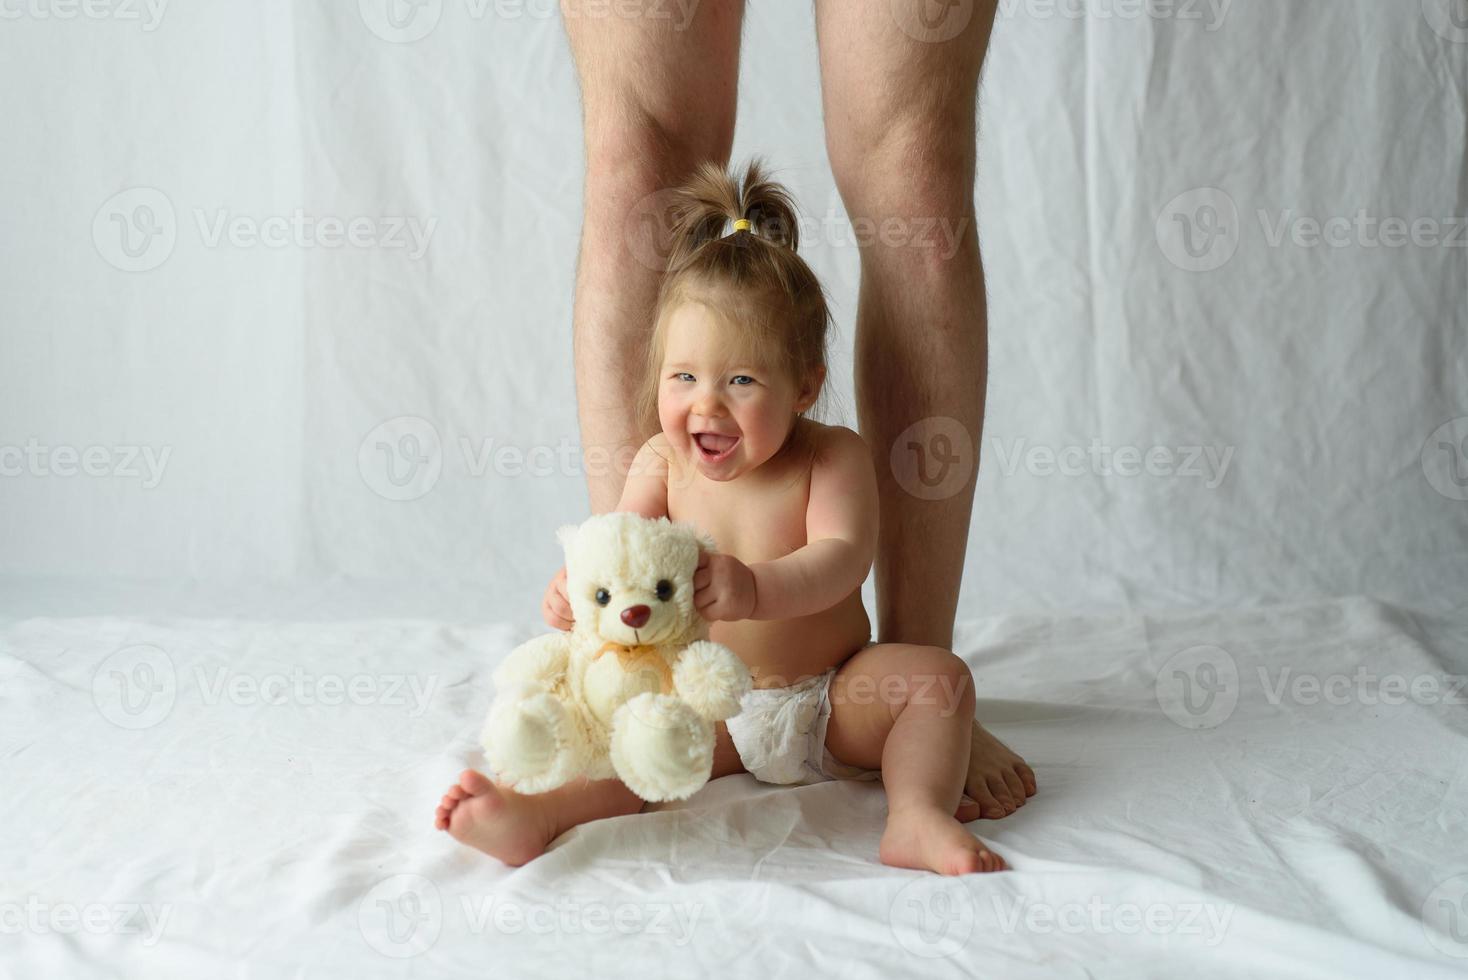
(752, 280)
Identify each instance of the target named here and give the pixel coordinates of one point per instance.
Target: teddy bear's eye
(665, 590)
(603, 597)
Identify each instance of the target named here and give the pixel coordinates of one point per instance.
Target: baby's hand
(556, 608)
(723, 588)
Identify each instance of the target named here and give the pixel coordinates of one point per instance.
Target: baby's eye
(665, 590)
(603, 597)
(745, 377)
(683, 374)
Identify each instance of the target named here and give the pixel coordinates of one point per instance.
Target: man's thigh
(663, 63)
(900, 69)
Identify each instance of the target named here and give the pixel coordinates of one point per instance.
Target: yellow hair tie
(742, 225)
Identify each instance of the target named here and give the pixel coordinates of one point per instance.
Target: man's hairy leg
(658, 97)
(900, 82)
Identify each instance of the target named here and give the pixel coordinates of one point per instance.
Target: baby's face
(728, 417)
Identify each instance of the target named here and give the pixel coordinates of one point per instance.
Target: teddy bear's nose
(636, 616)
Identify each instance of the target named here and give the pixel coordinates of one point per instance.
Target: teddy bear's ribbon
(633, 657)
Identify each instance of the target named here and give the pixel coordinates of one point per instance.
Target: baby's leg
(909, 711)
(517, 828)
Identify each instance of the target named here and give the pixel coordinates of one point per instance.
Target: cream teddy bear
(634, 689)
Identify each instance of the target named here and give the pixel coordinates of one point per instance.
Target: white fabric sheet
(243, 513)
(1289, 835)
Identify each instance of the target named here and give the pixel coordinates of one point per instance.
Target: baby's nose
(636, 616)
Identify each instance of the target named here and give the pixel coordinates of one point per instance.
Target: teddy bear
(633, 690)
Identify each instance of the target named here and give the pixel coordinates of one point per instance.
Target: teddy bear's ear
(566, 534)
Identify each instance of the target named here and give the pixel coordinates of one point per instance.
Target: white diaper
(780, 733)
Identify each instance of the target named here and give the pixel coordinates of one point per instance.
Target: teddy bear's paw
(712, 679)
(525, 737)
(540, 660)
(661, 748)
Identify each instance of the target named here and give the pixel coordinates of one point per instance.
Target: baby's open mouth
(714, 448)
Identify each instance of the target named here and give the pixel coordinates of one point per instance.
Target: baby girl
(736, 360)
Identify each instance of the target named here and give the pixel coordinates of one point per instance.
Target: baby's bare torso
(761, 517)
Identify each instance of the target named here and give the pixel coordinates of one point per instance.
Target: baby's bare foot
(930, 840)
(495, 819)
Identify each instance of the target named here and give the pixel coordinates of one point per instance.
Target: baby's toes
(472, 783)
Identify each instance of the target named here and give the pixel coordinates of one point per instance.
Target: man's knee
(912, 162)
(643, 148)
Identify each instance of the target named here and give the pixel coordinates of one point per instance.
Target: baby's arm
(840, 531)
(646, 489)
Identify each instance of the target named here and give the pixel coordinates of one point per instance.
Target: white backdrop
(238, 239)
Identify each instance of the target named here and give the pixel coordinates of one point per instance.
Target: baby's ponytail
(711, 199)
